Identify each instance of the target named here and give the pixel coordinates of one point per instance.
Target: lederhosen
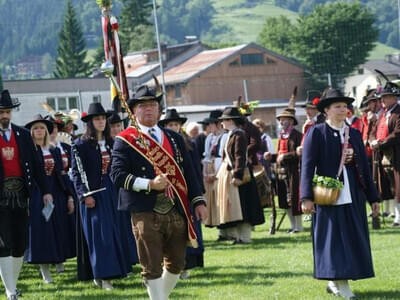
(13, 201)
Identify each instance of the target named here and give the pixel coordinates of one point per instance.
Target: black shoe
(236, 242)
(395, 224)
(385, 214)
(222, 238)
(18, 293)
(289, 231)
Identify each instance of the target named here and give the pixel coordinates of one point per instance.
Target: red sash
(167, 165)
(383, 129)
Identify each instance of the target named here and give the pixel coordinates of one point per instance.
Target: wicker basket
(325, 196)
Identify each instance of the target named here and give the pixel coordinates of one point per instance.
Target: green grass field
(273, 267)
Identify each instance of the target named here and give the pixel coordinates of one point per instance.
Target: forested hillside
(30, 28)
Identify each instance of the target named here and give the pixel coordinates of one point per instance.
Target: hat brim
(388, 93)
(323, 103)
(88, 117)
(10, 106)
(308, 105)
(135, 101)
(221, 118)
(48, 124)
(287, 116)
(165, 121)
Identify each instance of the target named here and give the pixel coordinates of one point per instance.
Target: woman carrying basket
(341, 245)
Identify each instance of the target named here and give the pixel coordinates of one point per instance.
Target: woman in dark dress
(194, 256)
(341, 243)
(47, 239)
(91, 161)
(239, 203)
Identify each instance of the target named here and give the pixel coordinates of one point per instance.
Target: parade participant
(158, 198)
(238, 199)
(253, 135)
(192, 129)
(116, 123)
(313, 115)
(19, 167)
(70, 224)
(47, 238)
(173, 121)
(91, 160)
(211, 164)
(352, 119)
(287, 169)
(344, 225)
(388, 141)
(200, 139)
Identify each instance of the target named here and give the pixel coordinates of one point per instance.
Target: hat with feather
(290, 111)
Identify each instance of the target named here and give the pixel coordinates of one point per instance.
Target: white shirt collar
(157, 129)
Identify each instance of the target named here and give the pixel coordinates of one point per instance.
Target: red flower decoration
(84, 114)
(315, 101)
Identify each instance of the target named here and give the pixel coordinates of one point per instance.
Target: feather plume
(292, 100)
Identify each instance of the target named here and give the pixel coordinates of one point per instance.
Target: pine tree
(136, 29)
(71, 50)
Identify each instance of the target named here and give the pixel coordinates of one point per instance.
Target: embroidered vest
(10, 157)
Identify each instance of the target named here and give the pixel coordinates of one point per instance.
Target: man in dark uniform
(158, 198)
(19, 165)
(388, 141)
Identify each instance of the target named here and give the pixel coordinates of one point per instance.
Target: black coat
(127, 161)
(29, 161)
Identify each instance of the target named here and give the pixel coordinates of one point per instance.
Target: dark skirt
(101, 226)
(195, 256)
(68, 227)
(341, 243)
(46, 239)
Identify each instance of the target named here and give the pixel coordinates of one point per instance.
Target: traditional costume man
(288, 167)
(19, 166)
(387, 141)
(157, 184)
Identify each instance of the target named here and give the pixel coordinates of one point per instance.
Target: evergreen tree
(136, 29)
(71, 49)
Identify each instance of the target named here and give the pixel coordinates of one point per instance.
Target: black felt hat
(330, 96)
(39, 119)
(57, 122)
(95, 109)
(230, 113)
(170, 116)
(114, 117)
(145, 93)
(313, 97)
(6, 102)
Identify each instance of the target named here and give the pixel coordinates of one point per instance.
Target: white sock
(245, 232)
(7, 275)
(45, 271)
(344, 288)
(392, 205)
(386, 206)
(155, 289)
(299, 223)
(169, 282)
(291, 218)
(17, 266)
(397, 213)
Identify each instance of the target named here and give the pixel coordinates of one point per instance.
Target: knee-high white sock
(344, 288)
(392, 206)
(17, 265)
(45, 270)
(245, 232)
(397, 213)
(155, 289)
(7, 275)
(386, 206)
(299, 222)
(291, 218)
(169, 282)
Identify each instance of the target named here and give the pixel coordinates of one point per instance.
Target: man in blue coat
(19, 165)
(153, 170)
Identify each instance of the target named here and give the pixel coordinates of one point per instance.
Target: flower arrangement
(315, 101)
(248, 107)
(104, 3)
(326, 190)
(328, 182)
